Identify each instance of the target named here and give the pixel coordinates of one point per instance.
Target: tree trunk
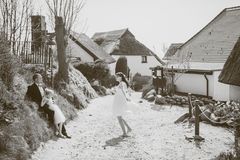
(61, 49)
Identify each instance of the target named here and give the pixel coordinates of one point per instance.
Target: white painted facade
(136, 66)
(221, 90)
(193, 83)
(234, 92)
(197, 84)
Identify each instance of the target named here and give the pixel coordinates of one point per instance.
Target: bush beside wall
(99, 71)
(139, 81)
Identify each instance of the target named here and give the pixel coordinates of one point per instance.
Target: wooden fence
(32, 52)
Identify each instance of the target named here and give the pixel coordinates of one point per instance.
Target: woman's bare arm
(44, 101)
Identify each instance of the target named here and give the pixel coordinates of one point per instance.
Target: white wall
(193, 83)
(221, 91)
(74, 50)
(234, 92)
(196, 84)
(135, 64)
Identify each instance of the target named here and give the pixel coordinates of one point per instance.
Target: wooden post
(45, 64)
(51, 55)
(162, 81)
(172, 85)
(197, 113)
(190, 104)
(207, 85)
(197, 137)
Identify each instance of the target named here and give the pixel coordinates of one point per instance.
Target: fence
(32, 52)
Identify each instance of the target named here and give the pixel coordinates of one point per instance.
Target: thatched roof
(91, 47)
(172, 50)
(231, 70)
(121, 42)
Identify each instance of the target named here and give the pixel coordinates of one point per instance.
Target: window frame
(144, 59)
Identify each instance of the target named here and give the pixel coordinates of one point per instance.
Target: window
(144, 59)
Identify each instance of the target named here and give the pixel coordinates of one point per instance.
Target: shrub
(99, 71)
(226, 156)
(140, 81)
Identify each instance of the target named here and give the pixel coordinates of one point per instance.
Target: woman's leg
(128, 127)
(57, 129)
(60, 129)
(121, 124)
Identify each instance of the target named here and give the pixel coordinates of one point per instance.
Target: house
(172, 50)
(198, 62)
(123, 43)
(231, 72)
(81, 47)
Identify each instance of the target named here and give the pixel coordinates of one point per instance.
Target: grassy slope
(27, 128)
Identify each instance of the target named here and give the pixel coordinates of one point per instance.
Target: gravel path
(96, 136)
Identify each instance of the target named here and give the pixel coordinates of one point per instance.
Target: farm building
(81, 47)
(199, 61)
(123, 43)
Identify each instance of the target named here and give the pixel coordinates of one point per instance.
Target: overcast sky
(153, 22)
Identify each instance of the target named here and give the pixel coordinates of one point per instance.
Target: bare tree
(175, 68)
(63, 13)
(15, 15)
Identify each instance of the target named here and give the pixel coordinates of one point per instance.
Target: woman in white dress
(120, 106)
(59, 118)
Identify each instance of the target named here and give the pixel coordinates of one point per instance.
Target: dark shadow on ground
(114, 141)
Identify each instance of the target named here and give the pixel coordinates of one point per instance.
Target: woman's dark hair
(123, 78)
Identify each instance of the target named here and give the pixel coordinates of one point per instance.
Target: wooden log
(182, 118)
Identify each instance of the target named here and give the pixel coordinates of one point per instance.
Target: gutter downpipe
(207, 84)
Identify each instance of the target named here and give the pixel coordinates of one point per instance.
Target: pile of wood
(218, 113)
(214, 112)
(221, 113)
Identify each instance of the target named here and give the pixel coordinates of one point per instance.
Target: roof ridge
(124, 30)
(232, 8)
(218, 15)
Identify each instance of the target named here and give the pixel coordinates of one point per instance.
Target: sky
(155, 23)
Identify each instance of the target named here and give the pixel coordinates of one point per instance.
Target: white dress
(58, 115)
(120, 105)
